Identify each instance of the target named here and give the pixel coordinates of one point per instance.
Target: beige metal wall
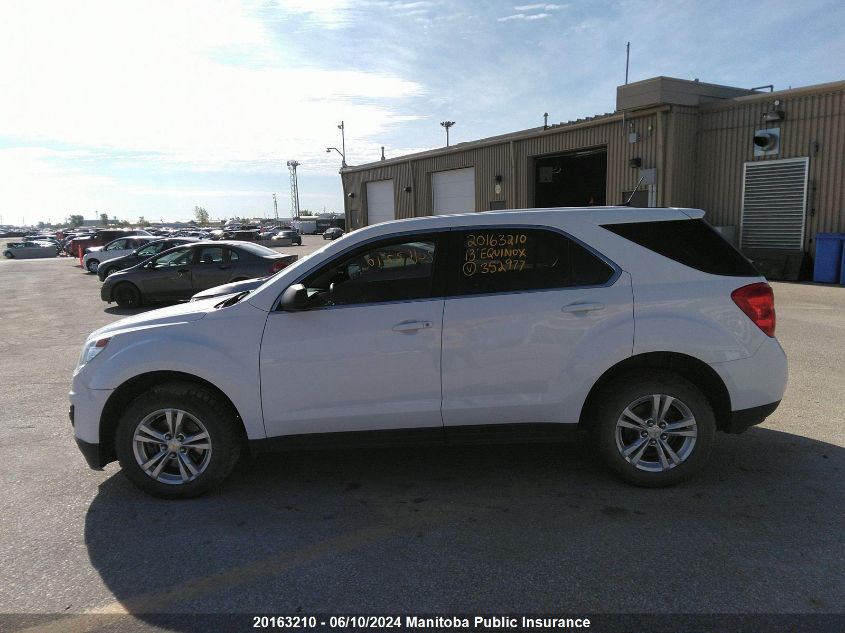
(699, 154)
(725, 143)
(513, 160)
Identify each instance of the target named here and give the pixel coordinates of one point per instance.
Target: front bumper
(92, 454)
(743, 419)
(105, 292)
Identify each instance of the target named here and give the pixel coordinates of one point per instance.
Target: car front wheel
(127, 295)
(92, 265)
(653, 430)
(8, 254)
(178, 440)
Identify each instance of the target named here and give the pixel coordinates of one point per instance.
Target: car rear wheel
(127, 295)
(92, 265)
(653, 430)
(178, 440)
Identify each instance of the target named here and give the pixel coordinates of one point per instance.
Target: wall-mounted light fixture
(408, 189)
(775, 112)
(497, 178)
(351, 194)
(635, 162)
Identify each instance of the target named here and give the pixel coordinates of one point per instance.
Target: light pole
(275, 209)
(342, 155)
(447, 125)
(342, 129)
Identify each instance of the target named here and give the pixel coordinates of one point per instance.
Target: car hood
(227, 289)
(180, 313)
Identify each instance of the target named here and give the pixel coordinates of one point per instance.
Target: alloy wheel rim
(656, 433)
(172, 446)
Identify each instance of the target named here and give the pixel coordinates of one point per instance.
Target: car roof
(596, 216)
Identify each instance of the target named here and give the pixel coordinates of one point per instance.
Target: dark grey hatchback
(181, 272)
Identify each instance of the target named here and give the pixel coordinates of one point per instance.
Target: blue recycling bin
(828, 264)
(842, 262)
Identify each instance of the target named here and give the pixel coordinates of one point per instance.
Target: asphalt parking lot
(540, 528)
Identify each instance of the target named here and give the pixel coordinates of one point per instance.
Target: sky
(151, 108)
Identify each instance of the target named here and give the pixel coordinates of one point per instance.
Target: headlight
(91, 349)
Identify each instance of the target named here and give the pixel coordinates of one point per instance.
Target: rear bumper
(743, 419)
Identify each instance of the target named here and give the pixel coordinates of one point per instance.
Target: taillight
(758, 303)
(278, 264)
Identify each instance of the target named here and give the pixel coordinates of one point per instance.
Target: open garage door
(574, 179)
(380, 202)
(453, 191)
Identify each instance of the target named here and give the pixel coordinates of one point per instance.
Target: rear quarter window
(693, 243)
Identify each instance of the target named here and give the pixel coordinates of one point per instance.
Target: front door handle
(583, 307)
(411, 326)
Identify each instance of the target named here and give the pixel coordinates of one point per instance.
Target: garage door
(380, 202)
(453, 191)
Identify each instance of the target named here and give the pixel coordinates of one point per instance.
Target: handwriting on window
(494, 253)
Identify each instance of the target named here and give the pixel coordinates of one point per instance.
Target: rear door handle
(583, 307)
(411, 326)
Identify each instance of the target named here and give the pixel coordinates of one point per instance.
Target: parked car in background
(29, 250)
(77, 245)
(332, 233)
(181, 272)
(96, 255)
(289, 234)
(140, 254)
(642, 326)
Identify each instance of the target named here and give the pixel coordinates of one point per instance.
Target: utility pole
(627, 59)
(275, 208)
(447, 125)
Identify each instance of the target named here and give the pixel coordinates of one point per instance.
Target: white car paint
(506, 358)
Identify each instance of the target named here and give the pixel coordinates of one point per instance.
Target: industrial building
(768, 167)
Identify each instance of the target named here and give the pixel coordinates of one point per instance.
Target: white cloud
(543, 7)
(85, 78)
(522, 16)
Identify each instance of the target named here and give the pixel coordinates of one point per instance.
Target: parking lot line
(157, 601)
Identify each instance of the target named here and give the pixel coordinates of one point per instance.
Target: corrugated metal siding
(613, 135)
(681, 151)
(725, 145)
(699, 154)
(513, 160)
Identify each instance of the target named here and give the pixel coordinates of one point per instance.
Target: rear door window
(693, 243)
(493, 260)
(212, 255)
(176, 258)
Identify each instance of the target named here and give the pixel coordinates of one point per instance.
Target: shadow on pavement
(531, 528)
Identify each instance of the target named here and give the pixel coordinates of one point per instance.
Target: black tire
(104, 271)
(9, 255)
(216, 416)
(92, 265)
(127, 295)
(657, 467)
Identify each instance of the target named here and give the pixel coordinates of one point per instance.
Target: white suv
(642, 326)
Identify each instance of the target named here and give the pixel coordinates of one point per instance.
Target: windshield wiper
(233, 300)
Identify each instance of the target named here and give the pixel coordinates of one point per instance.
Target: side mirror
(294, 299)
